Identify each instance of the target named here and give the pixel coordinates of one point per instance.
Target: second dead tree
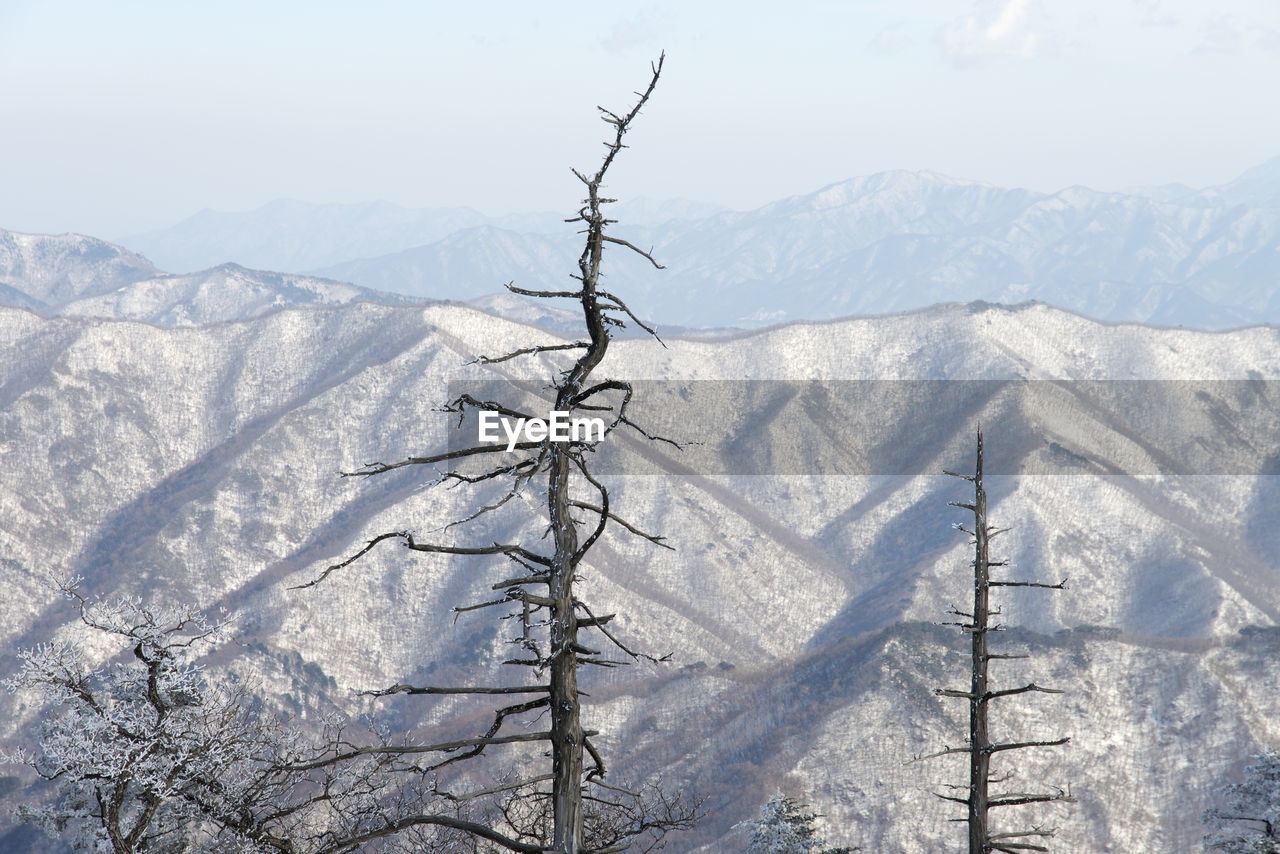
(981, 749)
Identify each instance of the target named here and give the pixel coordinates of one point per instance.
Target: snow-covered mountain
(76, 275)
(200, 462)
(894, 241)
(296, 236)
(1256, 187)
(42, 272)
(470, 264)
(226, 292)
(900, 241)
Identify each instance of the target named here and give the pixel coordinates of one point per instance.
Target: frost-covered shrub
(784, 827)
(1250, 821)
(146, 754)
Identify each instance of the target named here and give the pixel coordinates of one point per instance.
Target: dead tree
(552, 618)
(981, 749)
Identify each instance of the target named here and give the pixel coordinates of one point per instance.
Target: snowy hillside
(76, 275)
(201, 463)
(42, 271)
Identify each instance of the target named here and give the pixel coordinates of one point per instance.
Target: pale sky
(125, 116)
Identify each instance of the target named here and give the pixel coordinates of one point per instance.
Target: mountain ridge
(886, 242)
(73, 274)
(896, 241)
(199, 463)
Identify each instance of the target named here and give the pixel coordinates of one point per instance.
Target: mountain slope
(1256, 187)
(200, 463)
(42, 271)
(227, 292)
(76, 275)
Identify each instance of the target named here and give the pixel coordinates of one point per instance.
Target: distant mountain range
(297, 236)
(895, 241)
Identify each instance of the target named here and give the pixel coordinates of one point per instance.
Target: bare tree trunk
(979, 740)
(978, 799)
(566, 722)
(567, 737)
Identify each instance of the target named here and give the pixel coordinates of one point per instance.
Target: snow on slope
(76, 275)
(48, 270)
(228, 292)
(200, 462)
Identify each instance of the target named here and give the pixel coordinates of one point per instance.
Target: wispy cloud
(1227, 35)
(995, 29)
(891, 39)
(640, 30)
(1154, 14)
(1267, 39)
(1223, 35)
